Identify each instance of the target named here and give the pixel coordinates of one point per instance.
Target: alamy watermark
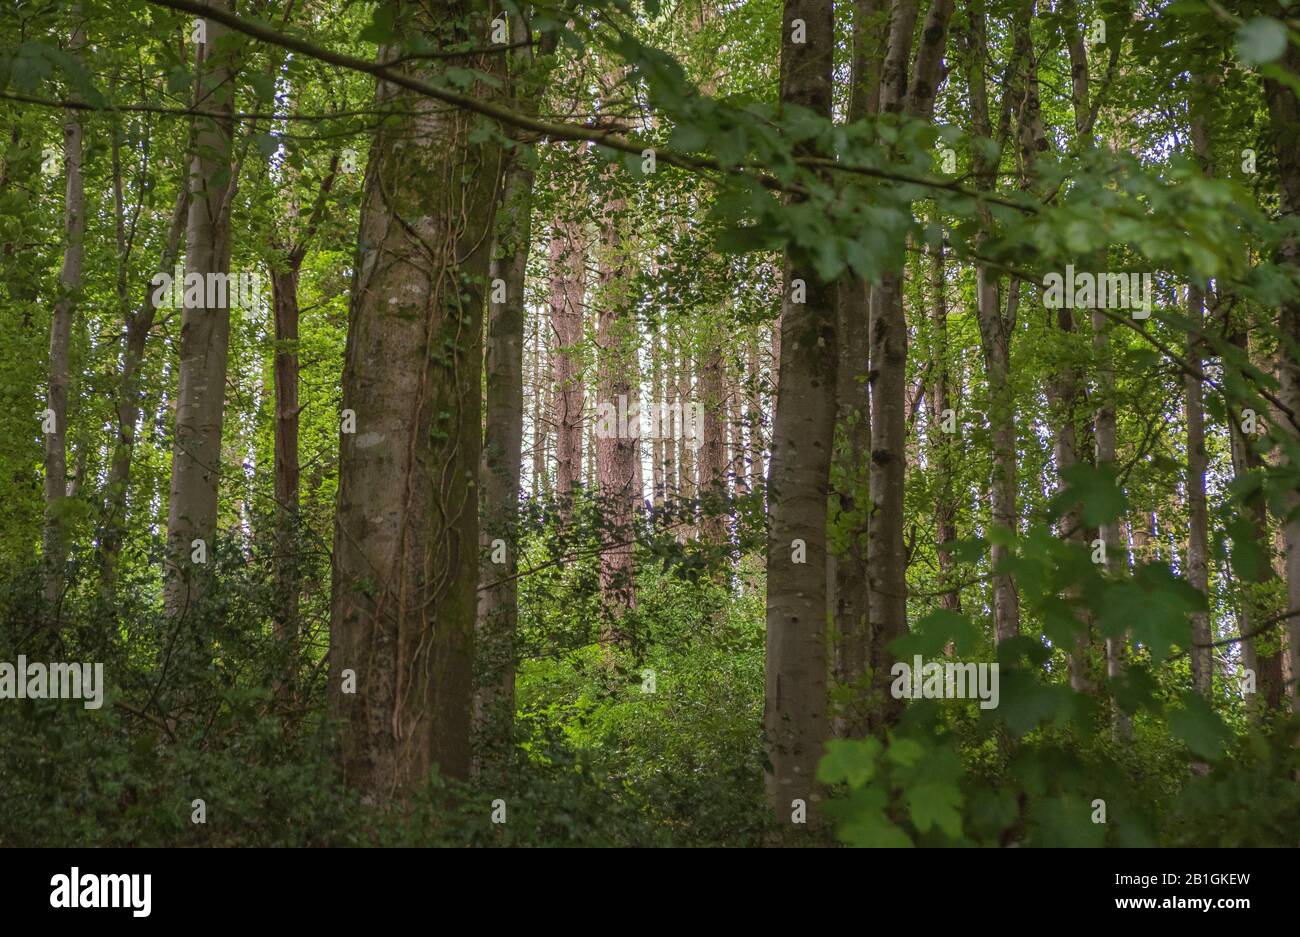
(243, 289)
(1098, 291)
(76, 890)
(658, 421)
(948, 680)
(53, 681)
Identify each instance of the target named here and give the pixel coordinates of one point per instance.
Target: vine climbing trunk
(406, 545)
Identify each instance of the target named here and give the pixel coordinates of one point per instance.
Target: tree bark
(205, 335)
(618, 452)
(406, 535)
(1257, 651)
(795, 719)
(853, 417)
(1198, 538)
(1284, 119)
(712, 464)
(942, 443)
(127, 405)
(886, 552)
(996, 328)
(568, 279)
(55, 535)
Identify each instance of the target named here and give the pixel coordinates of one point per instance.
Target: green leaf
(1199, 727)
(934, 632)
(383, 26)
(1260, 40)
(935, 803)
(849, 761)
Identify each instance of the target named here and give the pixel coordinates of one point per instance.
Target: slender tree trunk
(886, 551)
(737, 471)
(127, 405)
(55, 537)
(712, 468)
(941, 442)
(540, 411)
(284, 304)
(568, 279)
(406, 546)
(1104, 422)
(657, 425)
(853, 417)
(754, 418)
(795, 716)
(205, 335)
(499, 474)
(688, 443)
(1198, 551)
(671, 423)
(617, 446)
(996, 328)
(1259, 653)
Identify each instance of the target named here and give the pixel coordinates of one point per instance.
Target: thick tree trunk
(55, 538)
(795, 719)
(406, 544)
(205, 335)
(1284, 117)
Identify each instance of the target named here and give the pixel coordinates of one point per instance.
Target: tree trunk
(886, 553)
(127, 405)
(1259, 653)
(406, 535)
(205, 335)
(55, 538)
(795, 723)
(494, 698)
(737, 473)
(617, 447)
(688, 443)
(657, 440)
(996, 328)
(941, 442)
(284, 304)
(853, 417)
(1284, 118)
(712, 469)
(568, 279)
(540, 413)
